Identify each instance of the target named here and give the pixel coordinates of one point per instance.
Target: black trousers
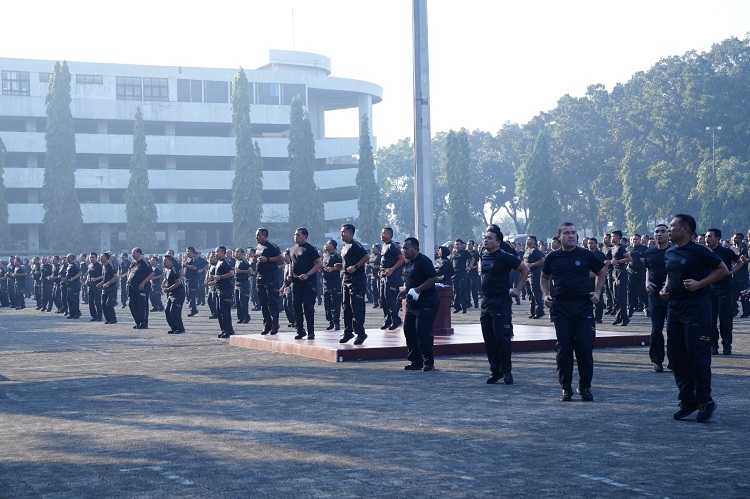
(373, 289)
(138, 299)
(332, 303)
(242, 299)
(64, 298)
(460, 291)
(608, 290)
(212, 300)
(38, 294)
(620, 292)
(73, 299)
(155, 296)
(354, 307)
(19, 298)
(575, 331)
(497, 331)
(109, 300)
(304, 293)
(536, 300)
(474, 283)
(124, 292)
(418, 333)
(658, 313)
(268, 298)
(689, 348)
(289, 308)
(722, 316)
(46, 295)
(637, 297)
(224, 311)
(95, 302)
(193, 289)
(389, 301)
(173, 311)
(4, 299)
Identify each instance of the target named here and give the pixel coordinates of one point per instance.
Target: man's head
(104, 258)
(555, 244)
(607, 238)
(592, 244)
(221, 252)
(261, 235)
(616, 236)
(661, 234)
(568, 235)
(682, 228)
(493, 236)
(153, 261)
(410, 248)
(713, 238)
(635, 240)
(239, 253)
(124, 256)
(459, 244)
(300, 235)
(737, 239)
(472, 245)
(168, 261)
(386, 235)
(347, 233)
(190, 251)
(331, 246)
(531, 242)
(93, 257)
(136, 253)
(71, 258)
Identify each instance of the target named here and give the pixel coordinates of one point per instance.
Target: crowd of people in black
(693, 284)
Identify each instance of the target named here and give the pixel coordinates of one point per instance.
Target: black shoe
(508, 379)
(274, 330)
(658, 367)
(715, 350)
(337, 327)
(360, 339)
(346, 337)
(311, 336)
(585, 394)
(599, 321)
(213, 317)
(181, 331)
(685, 410)
(532, 316)
(265, 332)
(455, 310)
(625, 323)
(413, 367)
(428, 367)
(330, 326)
(291, 324)
(170, 332)
(385, 325)
(492, 380)
(705, 411)
(192, 313)
(123, 306)
(395, 326)
(137, 326)
(567, 395)
(727, 350)
(300, 335)
(464, 310)
(617, 322)
(222, 335)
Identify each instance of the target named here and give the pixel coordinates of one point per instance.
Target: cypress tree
(247, 186)
(305, 204)
(534, 182)
(632, 193)
(139, 202)
(4, 227)
(457, 162)
(368, 223)
(63, 222)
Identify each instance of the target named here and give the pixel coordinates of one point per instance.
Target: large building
(187, 113)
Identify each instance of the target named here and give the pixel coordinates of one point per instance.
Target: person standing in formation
(391, 261)
(139, 278)
(223, 283)
(174, 287)
(354, 258)
(242, 286)
(534, 260)
(332, 285)
(305, 263)
(268, 281)
(108, 289)
(656, 276)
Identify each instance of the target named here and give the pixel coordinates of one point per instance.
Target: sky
(491, 61)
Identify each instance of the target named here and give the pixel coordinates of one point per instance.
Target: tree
(305, 204)
(535, 181)
(368, 202)
(632, 178)
(395, 171)
(457, 164)
(4, 227)
(139, 202)
(63, 222)
(247, 186)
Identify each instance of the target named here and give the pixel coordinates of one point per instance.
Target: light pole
(713, 130)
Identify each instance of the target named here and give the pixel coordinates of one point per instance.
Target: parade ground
(92, 411)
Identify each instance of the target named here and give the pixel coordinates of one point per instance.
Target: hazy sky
(491, 60)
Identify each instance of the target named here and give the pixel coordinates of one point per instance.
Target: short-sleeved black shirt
(124, 266)
(137, 272)
(331, 280)
(223, 267)
(444, 269)
(570, 273)
(690, 261)
(417, 271)
(742, 276)
(390, 253)
(156, 277)
(36, 272)
(495, 274)
(636, 265)
(459, 260)
(618, 253)
(303, 258)
(241, 265)
(46, 271)
(654, 261)
(17, 274)
(267, 271)
(532, 256)
(351, 253)
(730, 259)
(94, 270)
(71, 270)
(171, 276)
(109, 272)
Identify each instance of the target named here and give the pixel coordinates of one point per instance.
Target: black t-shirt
(654, 261)
(94, 270)
(137, 272)
(109, 272)
(389, 255)
(618, 253)
(171, 276)
(46, 272)
(18, 272)
(226, 285)
(241, 265)
(474, 258)
(331, 280)
(459, 261)
(156, 278)
(303, 258)
(267, 271)
(691, 261)
(532, 256)
(351, 253)
(495, 274)
(71, 270)
(636, 265)
(444, 269)
(417, 272)
(124, 266)
(742, 276)
(36, 272)
(730, 259)
(570, 273)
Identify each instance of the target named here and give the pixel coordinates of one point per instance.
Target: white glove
(413, 294)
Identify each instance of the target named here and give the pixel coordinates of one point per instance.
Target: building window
(189, 90)
(216, 91)
(156, 89)
(82, 79)
(129, 88)
(45, 77)
(16, 83)
(291, 90)
(268, 93)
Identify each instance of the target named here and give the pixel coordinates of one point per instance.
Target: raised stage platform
(467, 339)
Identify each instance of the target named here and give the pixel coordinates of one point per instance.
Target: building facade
(190, 144)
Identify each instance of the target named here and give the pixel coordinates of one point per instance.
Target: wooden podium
(442, 325)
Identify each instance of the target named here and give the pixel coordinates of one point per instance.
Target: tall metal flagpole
(422, 140)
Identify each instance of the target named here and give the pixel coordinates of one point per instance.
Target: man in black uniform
(373, 273)
(108, 287)
(460, 260)
(474, 281)
(268, 280)
(636, 276)
(593, 246)
(609, 285)
(47, 285)
(332, 286)
(305, 263)
(656, 276)
(123, 268)
(566, 283)
(496, 316)
(193, 278)
(4, 297)
(391, 261)
(741, 275)
(691, 269)
(72, 282)
(242, 286)
(174, 288)
(534, 260)
(20, 273)
(223, 281)
(139, 275)
(63, 287)
(93, 278)
(36, 276)
(354, 258)
(619, 262)
(722, 294)
(421, 307)
(154, 294)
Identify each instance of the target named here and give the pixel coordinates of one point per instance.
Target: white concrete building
(187, 113)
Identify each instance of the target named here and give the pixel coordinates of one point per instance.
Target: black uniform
(175, 300)
(155, 293)
(723, 302)
(224, 296)
(19, 286)
(4, 298)
(109, 294)
(73, 290)
(389, 286)
(63, 289)
(444, 270)
(459, 260)
(36, 276)
(47, 287)
(212, 293)
(620, 286)
(655, 263)
(599, 308)
(242, 291)
(137, 272)
(93, 273)
(742, 282)
(268, 282)
(373, 280)
(332, 289)
(572, 312)
(193, 278)
(420, 314)
(689, 321)
(637, 297)
(304, 291)
(536, 300)
(354, 289)
(124, 266)
(496, 315)
(474, 280)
